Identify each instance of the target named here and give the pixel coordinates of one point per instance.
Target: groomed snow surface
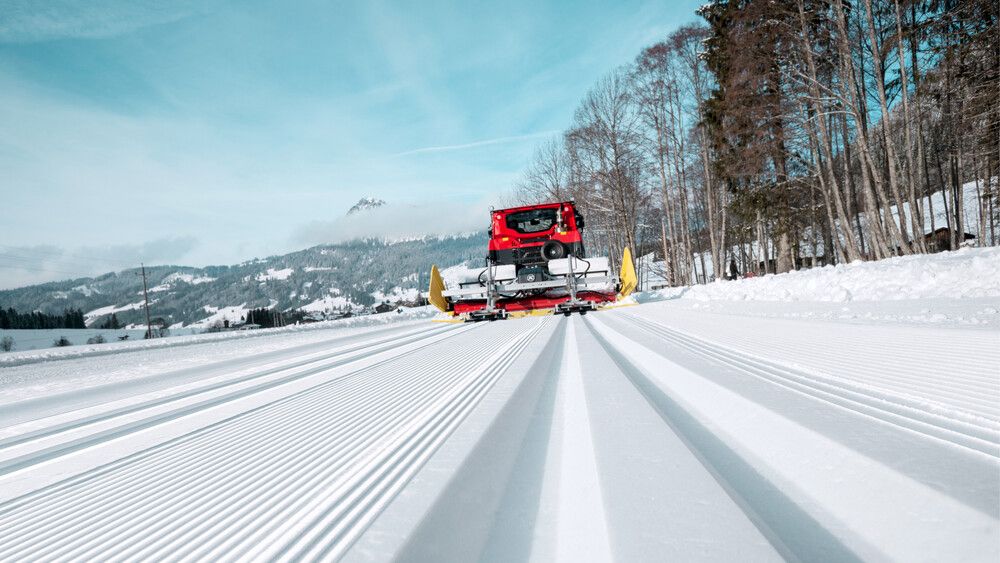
(715, 428)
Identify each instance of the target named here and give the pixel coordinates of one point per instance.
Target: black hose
(583, 273)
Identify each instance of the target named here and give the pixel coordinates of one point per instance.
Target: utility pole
(145, 295)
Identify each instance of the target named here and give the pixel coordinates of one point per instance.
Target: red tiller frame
(531, 303)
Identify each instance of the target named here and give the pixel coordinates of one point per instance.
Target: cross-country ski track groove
(617, 435)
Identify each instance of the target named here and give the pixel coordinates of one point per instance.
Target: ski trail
(775, 471)
(300, 477)
(660, 502)
(56, 448)
(580, 532)
(87, 390)
(982, 435)
(624, 435)
(945, 369)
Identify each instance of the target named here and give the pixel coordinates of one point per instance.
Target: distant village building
(385, 307)
(940, 239)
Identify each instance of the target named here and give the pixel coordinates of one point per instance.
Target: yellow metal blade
(627, 276)
(435, 289)
(531, 313)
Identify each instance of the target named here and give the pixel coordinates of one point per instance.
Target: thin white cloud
(394, 222)
(29, 21)
(463, 146)
(27, 265)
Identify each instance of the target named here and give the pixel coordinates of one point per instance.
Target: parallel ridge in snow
(634, 434)
(250, 486)
(962, 408)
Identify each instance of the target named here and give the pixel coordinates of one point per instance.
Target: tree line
(111, 322)
(265, 317)
(70, 318)
(775, 135)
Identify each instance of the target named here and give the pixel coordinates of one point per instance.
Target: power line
(145, 296)
(82, 266)
(44, 261)
(44, 270)
(27, 263)
(63, 254)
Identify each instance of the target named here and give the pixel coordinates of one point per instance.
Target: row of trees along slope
(776, 130)
(10, 318)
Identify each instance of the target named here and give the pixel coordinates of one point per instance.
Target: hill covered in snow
(324, 279)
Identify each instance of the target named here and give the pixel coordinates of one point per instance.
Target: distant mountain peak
(364, 204)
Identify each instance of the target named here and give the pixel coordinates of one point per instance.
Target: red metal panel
(504, 238)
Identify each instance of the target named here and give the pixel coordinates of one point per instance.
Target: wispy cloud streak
(27, 265)
(475, 144)
(29, 21)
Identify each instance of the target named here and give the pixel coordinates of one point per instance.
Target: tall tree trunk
(872, 184)
(714, 237)
(892, 161)
(916, 213)
(678, 163)
(762, 243)
(815, 157)
(667, 262)
(925, 171)
(852, 202)
(980, 205)
(831, 188)
(959, 199)
(945, 188)
(670, 258)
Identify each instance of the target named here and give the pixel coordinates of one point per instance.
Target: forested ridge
(355, 270)
(10, 318)
(781, 134)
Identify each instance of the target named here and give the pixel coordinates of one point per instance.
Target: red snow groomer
(536, 265)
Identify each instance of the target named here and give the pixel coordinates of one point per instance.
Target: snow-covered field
(30, 339)
(734, 423)
(188, 336)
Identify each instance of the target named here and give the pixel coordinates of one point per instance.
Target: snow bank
(92, 316)
(9, 359)
(328, 303)
(187, 278)
(278, 275)
(218, 315)
(965, 273)
(397, 294)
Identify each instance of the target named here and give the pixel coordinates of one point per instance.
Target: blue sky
(165, 131)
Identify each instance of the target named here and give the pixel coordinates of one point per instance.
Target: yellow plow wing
(435, 289)
(627, 275)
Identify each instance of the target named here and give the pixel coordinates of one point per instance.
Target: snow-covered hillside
(734, 422)
(325, 281)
